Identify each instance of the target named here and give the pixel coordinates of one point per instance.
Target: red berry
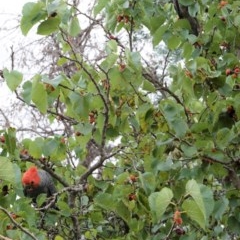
(237, 70)
(24, 152)
(228, 71)
(112, 37)
(223, 19)
(133, 178)
(132, 196)
(234, 75)
(122, 67)
(119, 18)
(78, 134)
(222, 4)
(188, 74)
(126, 18)
(177, 218)
(179, 231)
(2, 139)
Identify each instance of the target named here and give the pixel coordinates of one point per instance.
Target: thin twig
(5, 238)
(53, 198)
(12, 58)
(98, 164)
(73, 121)
(17, 224)
(170, 232)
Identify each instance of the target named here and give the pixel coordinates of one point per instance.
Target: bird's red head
(31, 177)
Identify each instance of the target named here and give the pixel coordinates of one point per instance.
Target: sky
(10, 36)
(10, 11)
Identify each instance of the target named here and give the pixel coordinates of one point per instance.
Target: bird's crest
(31, 177)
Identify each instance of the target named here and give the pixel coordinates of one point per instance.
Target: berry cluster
(234, 72)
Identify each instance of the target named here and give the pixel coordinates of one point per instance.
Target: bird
(37, 181)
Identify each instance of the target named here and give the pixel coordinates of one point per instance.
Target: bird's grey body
(46, 186)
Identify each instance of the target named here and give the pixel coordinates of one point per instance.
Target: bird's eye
(32, 182)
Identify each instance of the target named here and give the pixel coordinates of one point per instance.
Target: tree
(148, 147)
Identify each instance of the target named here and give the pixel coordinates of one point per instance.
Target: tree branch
(73, 121)
(182, 12)
(98, 164)
(5, 238)
(17, 224)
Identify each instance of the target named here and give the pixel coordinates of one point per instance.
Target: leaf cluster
(126, 163)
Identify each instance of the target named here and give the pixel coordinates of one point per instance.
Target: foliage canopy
(150, 147)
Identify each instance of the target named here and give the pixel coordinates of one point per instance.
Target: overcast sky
(10, 11)
(12, 5)
(10, 35)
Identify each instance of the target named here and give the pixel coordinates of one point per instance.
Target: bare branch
(98, 164)
(5, 238)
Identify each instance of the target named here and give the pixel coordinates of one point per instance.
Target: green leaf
(194, 212)
(7, 172)
(186, 2)
(35, 147)
(100, 5)
(158, 35)
(55, 81)
(74, 27)
(55, 6)
(123, 211)
(106, 201)
(10, 139)
(109, 61)
(173, 42)
(233, 224)
(164, 165)
(220, 207)
(27, 92)
(237, 20)
(158, 202)
(180, 126)
(117, 80)
(189, 151)
(148, 182)
(173, 113)
(187, 50)
(79, 104)
(65, 209)
(49, 26)
(147, 86)
(181, 24)
(112, 46)
(39, 95)
(208, 200)
(41, 198)
(50, 146)
(193, 189)
(134, 60)
(135, 225)
(55, 148)
(32, 13)
(194, 9)
(224, 137)
(58, 238)
(155, 22)
(13, 78)
(84, 128)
